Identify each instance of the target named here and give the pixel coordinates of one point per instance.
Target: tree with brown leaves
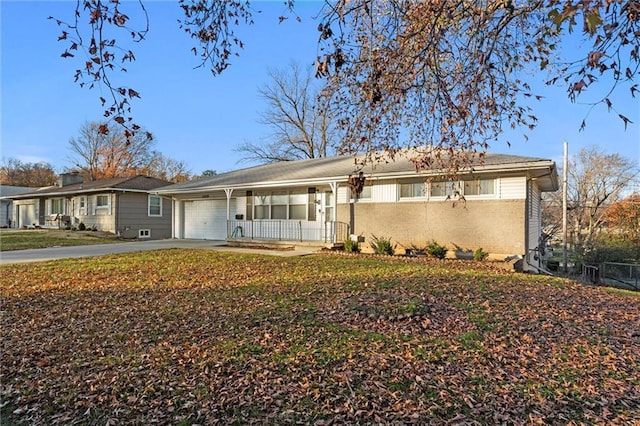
(100, 154)
(19, 173)
(449, 74)
(624, 217)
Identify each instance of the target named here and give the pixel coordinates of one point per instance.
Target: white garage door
(205, 219)
(27, 215)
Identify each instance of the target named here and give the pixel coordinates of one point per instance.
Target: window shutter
(94, 204)
(249, 209)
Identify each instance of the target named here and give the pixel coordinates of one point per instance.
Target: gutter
(73, 193)
(538, 165)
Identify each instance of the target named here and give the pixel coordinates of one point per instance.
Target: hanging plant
(357, 183)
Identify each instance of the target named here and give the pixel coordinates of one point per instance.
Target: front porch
(294, 231)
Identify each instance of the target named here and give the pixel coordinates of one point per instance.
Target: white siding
(512, 188)
(344, 193)
(240, 207)
(535, 215)
(386, 192)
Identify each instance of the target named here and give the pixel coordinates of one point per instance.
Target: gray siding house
(313, 201)
(127, 206)
(7, 219)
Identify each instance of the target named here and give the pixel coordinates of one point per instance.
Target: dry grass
(200, 337)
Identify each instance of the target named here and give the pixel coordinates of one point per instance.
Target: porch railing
(287, 230)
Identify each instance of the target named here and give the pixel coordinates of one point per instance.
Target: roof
(138, 183)
(7, 190)
(329, 169)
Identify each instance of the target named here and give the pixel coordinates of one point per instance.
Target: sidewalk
(55, 253)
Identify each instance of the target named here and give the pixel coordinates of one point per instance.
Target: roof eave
(542, 165)
(82, 192)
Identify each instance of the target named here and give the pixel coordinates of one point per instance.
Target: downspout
(173, 218)
(527, 208)
(117, 218)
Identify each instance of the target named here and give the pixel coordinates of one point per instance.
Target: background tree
(624, 217)
(208, 173)
(18, 173)
(301, 127)
(117, 153)
(162, 167)
(103, 155)
(450, 74)
(596, 181)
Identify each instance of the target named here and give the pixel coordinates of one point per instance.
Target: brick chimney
(65, 179)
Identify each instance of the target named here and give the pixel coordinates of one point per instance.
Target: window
(155, 205)
(282, 205)
(328, 206)
(261, 203)
(279, 205)
(82, 205)
(442, 189)
(466, 188)
(102, 201)
(412, 190)
(298, 205)
(364, 195)
(479, 187)
(144, 233)
(57, 206)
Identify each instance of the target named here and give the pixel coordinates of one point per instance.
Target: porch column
(228, 191)
(334, 189)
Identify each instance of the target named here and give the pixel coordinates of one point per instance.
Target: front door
(327, 215)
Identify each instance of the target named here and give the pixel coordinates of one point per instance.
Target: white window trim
(443, 197)
(425, 192)
(144, 233)
(149, 205)
(82, 211)
(107, 207)
(360, 198)
(50, 206)
(460, 186)
(104, 206)
(482, 196)
(270, 204)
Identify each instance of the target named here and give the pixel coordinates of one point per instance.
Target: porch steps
(275, 245)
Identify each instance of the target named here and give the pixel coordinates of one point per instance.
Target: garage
(205, 219)
(26, 215)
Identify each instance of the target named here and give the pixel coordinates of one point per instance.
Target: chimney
(65, 179)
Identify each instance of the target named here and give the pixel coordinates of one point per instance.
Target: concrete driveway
(54, 253)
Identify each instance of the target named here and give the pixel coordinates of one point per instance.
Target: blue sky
(200, 119)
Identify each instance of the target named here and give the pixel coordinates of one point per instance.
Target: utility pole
(565, 166)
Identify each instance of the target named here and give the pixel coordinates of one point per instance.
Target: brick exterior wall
(495, 225)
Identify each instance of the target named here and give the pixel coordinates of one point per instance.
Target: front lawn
(187, 337)
(43, 238)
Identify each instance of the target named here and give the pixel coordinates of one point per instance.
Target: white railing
(287, 230)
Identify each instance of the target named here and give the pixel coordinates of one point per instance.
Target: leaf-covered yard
(201, 337)
(43, 238)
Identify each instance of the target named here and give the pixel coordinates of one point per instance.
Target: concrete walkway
(54, 253)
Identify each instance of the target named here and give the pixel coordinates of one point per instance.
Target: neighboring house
(312, 200)
(6, 204)
(127, 206)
